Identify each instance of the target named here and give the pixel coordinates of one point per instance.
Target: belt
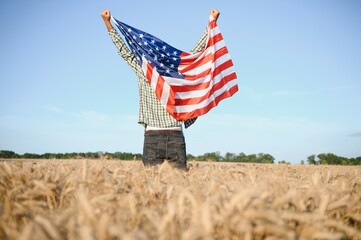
(164, 131)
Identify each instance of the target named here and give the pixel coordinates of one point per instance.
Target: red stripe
(171, 101)
(196, 63)
(187, 88)
(219, 53)
(215, 87)
(211, 42)
(216, 38)
(149, 72)
(160, 81)
(159, 89)
(204, 110)
(184, 54)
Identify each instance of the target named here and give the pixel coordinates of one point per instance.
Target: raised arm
(203, 40)
(215, 13)
(106, 18)
(123, 50)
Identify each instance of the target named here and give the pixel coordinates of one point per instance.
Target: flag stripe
(189, 59)
(201, 71)
(221, 55)
(193, 97)
(212, 99)
(211, 78)
(201, 111)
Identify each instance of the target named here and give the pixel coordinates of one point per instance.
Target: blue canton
(159, 54)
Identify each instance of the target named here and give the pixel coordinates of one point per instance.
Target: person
(163, 137)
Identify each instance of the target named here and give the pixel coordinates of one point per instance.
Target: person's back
(163, 138)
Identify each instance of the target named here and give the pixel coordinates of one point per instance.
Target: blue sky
(65, 89)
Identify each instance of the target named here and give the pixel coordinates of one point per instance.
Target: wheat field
(109, 199)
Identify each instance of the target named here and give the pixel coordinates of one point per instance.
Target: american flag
(188, 85)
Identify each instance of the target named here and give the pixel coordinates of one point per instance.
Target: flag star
(162, 65)
(145, 43)
(129, 30)
(164, 47)
(162, 55)
(141, 35)
(168, 54)
(155, 58)
(167, 70)
(175, 53)
(153, 41)
(134, 37)
(174, 59)
(172, 65)
(157, 48)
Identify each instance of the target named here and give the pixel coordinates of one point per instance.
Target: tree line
(322, 158)
(232, 157)
(332, 159)
(74, 155)
(212, 156)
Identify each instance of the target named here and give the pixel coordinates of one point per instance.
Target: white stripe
(165, 94)
(214, 31)
(206, 65)
(191, 108)
(217, 46)
(199, 57)
(202, 92)
(201, 68)
(209, 65)
(191, 56)
(185, 82)
(154, 81)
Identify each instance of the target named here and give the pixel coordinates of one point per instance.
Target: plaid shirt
(151, 112)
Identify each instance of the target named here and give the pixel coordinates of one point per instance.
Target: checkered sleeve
(124, 51)
(201, 42)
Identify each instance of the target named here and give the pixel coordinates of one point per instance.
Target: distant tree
(8, 154)
(311, 159)
(357, 161)
(229, 157)
(252, 158)
(302, 162)
(284, 162)
(241, 157)
(31, 156)
(212, 156)
(265, 158)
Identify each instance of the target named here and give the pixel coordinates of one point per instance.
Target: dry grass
(95, 199)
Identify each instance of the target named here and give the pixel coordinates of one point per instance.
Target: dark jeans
(164, 145)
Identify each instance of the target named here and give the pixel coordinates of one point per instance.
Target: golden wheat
(106, 199)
